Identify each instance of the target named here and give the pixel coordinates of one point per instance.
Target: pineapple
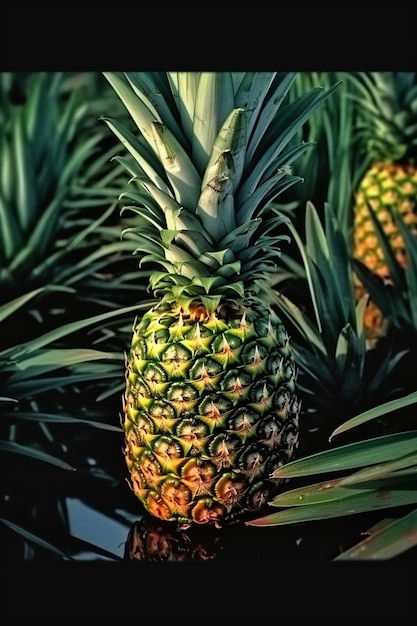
(388, 104)
(210, 406)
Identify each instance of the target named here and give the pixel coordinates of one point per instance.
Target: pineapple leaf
(385, 408)
(213, 102)
(139, 111)
(52, 359)
(238, 238)
(368, 500)
(216, 208)
(264, 194)
(309, 332)
(57, 333)
(179, 168)
(160, 104)
(141, 152)
(335, 490)
(231, 142)
(13, 305)
(281, 131)
(39, 455)
(184, 87)
(35, 539)
(402, 466)
(386, 540)
(62, 418)
(78, 545)
(34, 386)
(11, 237)
(26, 200)
(358, 454)
(257, 84)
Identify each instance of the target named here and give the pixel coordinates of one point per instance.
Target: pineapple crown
(214, 149)
(387, 103)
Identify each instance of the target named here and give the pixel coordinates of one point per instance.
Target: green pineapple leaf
(386, 540)
(352, 455)
(367, 500)
(336, 368)
(387, 408)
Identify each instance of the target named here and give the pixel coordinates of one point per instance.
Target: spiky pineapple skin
(210, 411)
(386, 187)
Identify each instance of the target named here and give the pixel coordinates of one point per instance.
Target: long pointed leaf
(360, 503)
(39, 455)
(358, 454)
(337, 489)
(67, 329)
(386, 540)
(384, 409)
(36, 539)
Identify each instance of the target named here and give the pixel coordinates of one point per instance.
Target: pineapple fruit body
(388, 105)
(210, 408)
(210, 411)
(385, 187)
(389, 189)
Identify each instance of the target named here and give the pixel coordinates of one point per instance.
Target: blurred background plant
(355, 338)
(388, 187)
(339, 373)
(332, 170)
(69, 284)
(53, 429)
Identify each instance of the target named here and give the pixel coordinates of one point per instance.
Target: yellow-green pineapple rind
(386, 188)
(210, 405)
(388, 106)
(389, 189)
(210, 411)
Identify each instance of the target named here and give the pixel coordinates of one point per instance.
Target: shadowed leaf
(16, 448)
(382, 409)
(386, 540)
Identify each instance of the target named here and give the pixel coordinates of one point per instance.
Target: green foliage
(397, 298)
(69, 287)
(332, 170)
(69, 284)
(338, 374)
(58, 190)
(385, 478)
(387, 104)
